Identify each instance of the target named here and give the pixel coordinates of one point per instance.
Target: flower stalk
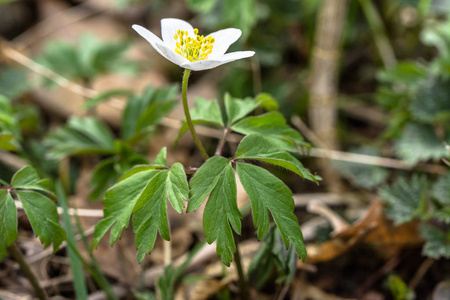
(188, 115)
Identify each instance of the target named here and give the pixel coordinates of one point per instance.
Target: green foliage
(143, 192)
(143, 113)
(258, 147)
(437, 241)
(221, 211)
(399, 289)
(9, 127)
(268, 193)
(420, 143)
(441, 189)
(202, 6)
(431, 104)
(13, 82)
(272, 259)
(34, 193)
(362, 175)
(87, 59)
(81, 136)
(168, 280)
(405, 199)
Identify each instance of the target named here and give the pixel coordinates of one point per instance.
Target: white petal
(212, 63)
(149, 36)
(223, 39)
(171, 55)
(169, 28)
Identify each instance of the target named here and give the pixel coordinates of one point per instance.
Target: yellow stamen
(193, 48)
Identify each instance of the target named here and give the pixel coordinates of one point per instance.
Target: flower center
(196, 48)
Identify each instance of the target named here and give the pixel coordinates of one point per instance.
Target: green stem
(379, 33)
(18, 257)
(188, 115)
(242, 281)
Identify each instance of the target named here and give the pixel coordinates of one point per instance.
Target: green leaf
(441, 189)
(238, 108)
(273, 126)
(150, 212)
(13, 82)
(221, 210)
(360, 174)
(267, 101)
(405, 199)
(161, 158)
(81, 136)
(145, 111)
(43, 216)
(399, 289)
(272, 256)
(103, 96)
(257, 147)
(120, 201)
(143, 192)
(431, 103)
(8, 221)
(420, 143)
(268, 193)
(437, 241)
(8, 142)
(27, 178)
(204, 180)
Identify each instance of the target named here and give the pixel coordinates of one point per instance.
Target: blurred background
(366, 83)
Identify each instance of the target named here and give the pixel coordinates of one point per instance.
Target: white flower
(182, 45)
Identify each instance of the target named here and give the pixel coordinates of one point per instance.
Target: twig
(18, 257)
(390, 265)
(244, 295)
(222, 141)
(423, 269)
(12, 161)
(82, 212)
(56, 22)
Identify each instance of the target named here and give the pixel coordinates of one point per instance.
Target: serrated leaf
(437, 241)
(273, 126)
(405, 199)
(43, 216)
(360, 174)
(120, 201)
(81, 136)
(145, 111)
(161, 158)
(205, 112)
(268, 193)
(238, 108)
(204, 180)
(104, 96)
(27, 178)
(143, 192)
(419, 143)
(441, 189)
(221, 210)
(150, 212)
(431, 103)
(8, 221)
(257, 147)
